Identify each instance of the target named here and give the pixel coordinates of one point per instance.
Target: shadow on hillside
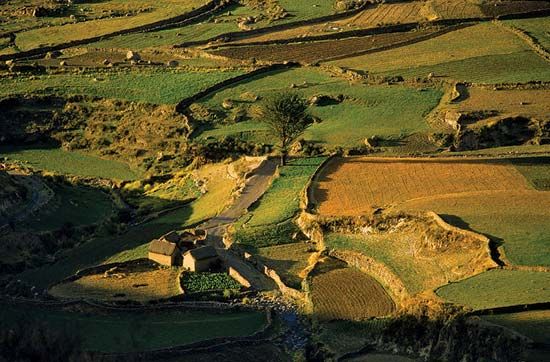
(82, 226)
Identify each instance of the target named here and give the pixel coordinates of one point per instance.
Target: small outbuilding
(200, 259)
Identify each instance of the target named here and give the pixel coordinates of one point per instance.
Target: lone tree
(286, 116)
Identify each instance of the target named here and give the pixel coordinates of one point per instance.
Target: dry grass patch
(339, 292)
(139, 283)
(524, 102)
(354, 186)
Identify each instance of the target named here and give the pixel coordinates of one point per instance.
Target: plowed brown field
(322, 50)
(354, 186)
(347, 293)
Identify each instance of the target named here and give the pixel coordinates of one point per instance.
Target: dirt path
(255, 187)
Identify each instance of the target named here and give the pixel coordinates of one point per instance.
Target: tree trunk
(283, 158)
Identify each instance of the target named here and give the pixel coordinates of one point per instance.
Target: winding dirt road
(255, 187)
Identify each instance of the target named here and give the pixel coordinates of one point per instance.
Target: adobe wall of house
(161, 259)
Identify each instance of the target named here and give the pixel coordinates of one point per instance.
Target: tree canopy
(286, 116)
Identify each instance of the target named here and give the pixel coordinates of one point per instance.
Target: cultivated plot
(354, 186)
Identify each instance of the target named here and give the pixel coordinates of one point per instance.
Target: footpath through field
(255, 187)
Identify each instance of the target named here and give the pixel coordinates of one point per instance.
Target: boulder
(131, 55)
(54, 54)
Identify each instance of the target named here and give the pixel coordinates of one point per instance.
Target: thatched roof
(204, 252)
(162, 247)
(171, 237)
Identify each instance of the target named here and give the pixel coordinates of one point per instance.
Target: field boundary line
(307, 201)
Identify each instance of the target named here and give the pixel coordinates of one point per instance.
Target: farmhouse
(164, 252)
(167, 250)
(200, 259)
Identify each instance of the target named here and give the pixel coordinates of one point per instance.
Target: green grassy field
(149, 86)
(282, 199)
(72, 163)
(71, 205)
(537, 28)
(499, 288)
(193, 32)
(482, 53)
(366, 111)
(268, 221)
(130, 332)
(533, 324)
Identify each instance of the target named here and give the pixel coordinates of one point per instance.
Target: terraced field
(533, 324)
(495, 198)
(313, 52)
(339, 292)
(221, 23)
(157, 10)
(383, 14)
(526, 102)
(537, 28)
(289, 261)
(355, 185)
(482, 53)
(419, 268)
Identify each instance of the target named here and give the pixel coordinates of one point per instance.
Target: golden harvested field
(321, 50)
(133, 283)
(526, 102)
(354, 186)
(451, 9)
(346, 293)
